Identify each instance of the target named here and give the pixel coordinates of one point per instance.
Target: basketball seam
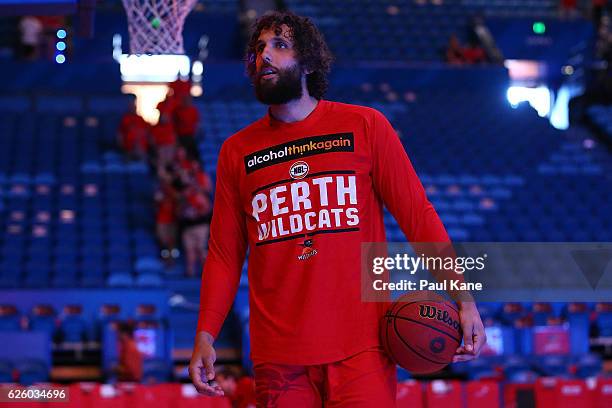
(426, 325)
(386, 331)
(413, 350)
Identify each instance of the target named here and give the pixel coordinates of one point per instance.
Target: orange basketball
(421, 335)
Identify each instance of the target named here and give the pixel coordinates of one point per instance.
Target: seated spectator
(568, 9)
(597, 11)
(133, 134)
(31, 30)
(457, 54)
(130, 359)
(186, 121)
(165, 221)
(179, 88)
(195, 211)
(240, 389)
(454, 51)
(168, 105)
(202, 179)
(164, 139)
(474, 54)
(183, 163)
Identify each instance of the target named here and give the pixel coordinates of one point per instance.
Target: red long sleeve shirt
(302, 197)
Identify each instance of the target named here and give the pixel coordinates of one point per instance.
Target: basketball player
(302, 188)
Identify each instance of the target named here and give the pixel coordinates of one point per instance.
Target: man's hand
(201, 369)
(474, 337)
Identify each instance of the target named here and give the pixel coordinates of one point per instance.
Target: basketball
(421, 335)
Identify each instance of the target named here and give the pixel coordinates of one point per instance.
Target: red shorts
(366, 379)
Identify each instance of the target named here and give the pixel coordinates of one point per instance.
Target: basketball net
(157, 55)
(156, 26)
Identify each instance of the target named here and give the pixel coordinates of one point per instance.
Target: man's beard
(286, 88)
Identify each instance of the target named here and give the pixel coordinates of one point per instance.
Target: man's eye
(281, 45)
(259, 49)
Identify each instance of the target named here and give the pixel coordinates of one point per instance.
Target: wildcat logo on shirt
(308, 251)
(309, 146)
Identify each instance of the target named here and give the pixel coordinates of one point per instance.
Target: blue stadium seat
(92, 281)
(32, 371)
(517, 369)
(553, 365)
(156, 371)
(148, 265)
(73, 327)
(120, 279)
(6, 371)
(541, 313)
(10, 319)
(42, 319)
(147, 280)
(604, 319)
(577, 315)
(588, 365)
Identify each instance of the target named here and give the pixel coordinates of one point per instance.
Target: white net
(156, 26)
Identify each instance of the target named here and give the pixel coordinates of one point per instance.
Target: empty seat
(10, 319)
(32, 371)
(73, 327)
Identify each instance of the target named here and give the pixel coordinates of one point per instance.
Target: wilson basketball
(421, 335)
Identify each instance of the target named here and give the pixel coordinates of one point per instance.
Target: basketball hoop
(157, 55)
(156, 26)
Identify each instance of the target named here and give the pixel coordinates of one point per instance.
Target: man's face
(227, 384)
(278, 75)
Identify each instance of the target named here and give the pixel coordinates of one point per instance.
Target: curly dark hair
(311, 49)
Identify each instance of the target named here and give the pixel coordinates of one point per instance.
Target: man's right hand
(201, 367)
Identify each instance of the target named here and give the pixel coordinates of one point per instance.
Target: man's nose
(266, 56)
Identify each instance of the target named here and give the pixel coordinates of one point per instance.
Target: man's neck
(296, 110)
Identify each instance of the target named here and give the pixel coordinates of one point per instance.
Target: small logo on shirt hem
(308, 251)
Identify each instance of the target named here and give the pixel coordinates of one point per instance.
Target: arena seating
(406, 30)
(77, 215)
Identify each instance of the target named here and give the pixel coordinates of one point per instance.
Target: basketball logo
(437, 345)
(298, 170)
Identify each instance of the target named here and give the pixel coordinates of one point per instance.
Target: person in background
(50, 25)
(130, 359)
(597, 10)
(201, 179)
(240, 389)
(568, 9)
(164, 139)
(165, 221)
(167, 106)
(31, 29)
(474, 54)
(454, 51)
(195, 211)
(314, 341)
(179, 88)
(186, 122)
(133, 134)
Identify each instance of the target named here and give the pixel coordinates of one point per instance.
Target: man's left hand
(474, 337)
